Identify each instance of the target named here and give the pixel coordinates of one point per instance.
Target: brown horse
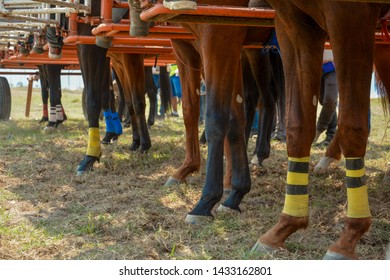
(382, 73)
(302, 28)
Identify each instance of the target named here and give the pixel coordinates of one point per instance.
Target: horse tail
(165, 89)
(382, 92)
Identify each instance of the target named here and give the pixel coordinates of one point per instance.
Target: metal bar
(29, 94)
(119, 40)
(33, 73)
(76, 6)
(5, 16)
(38, 11)
(213, 14)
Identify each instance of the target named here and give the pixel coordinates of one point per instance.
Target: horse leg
(91, 58)
(278, 89)
(151, 91)
(353, 121)
(134, 67)
(237, 162)
(54, 79)
(332, 155)
(302, 56)
(251, 94)
(44, 92)
(223, 87)
(382, 66)
(261, 68)
(190, 82)
(113, 125)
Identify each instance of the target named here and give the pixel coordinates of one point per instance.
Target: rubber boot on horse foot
(180, 4)
(138, 27)
(86, 164)
(274, 239)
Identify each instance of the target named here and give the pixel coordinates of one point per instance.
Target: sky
(67, 81)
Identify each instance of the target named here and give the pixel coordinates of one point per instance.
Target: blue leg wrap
(117, 123)
(109, 122)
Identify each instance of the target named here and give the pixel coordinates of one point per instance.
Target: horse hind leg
(332, 155)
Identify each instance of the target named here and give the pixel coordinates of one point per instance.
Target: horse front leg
(302, 50)
(220, 68)
(134, 66)
(190, 82)
(238, 160)
(91, 57)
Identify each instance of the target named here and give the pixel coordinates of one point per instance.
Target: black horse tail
(382, 92)
(165, 89)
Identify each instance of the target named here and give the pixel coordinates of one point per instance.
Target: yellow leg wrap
(294, 178)
(358, 206)
(94, 148)
(296, 203)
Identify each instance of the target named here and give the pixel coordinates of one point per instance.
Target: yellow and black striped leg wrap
(358, 206)
(296, 203)
(94, 148)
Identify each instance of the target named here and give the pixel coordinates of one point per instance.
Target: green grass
(121, 210)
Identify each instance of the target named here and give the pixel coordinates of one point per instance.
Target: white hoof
(224, 209)
(198, 220)
(323, 165)
(172, 181)
(255, 161)
(262, 249)
(334, 256)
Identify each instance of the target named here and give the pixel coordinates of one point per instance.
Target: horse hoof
(86, 165)
(323, 165)
(334, 256)
(172, 181)
(227, 210)
(198, 220)
(262, 249)
(49, 129)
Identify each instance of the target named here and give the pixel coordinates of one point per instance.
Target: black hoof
(109, 138)
(44, 119)
(134, 146)
(86, 164)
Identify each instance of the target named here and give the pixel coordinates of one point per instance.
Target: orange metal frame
(158, 41)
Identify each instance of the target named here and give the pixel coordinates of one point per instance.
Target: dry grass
(122, 211)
